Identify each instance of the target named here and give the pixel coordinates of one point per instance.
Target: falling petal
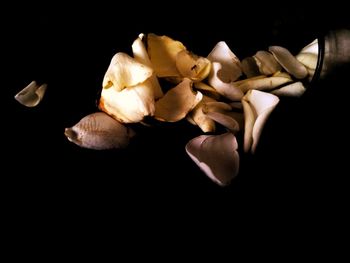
(129, 105)
(216, 156)
(257, 107)
(31, 95)
(162, 51)
(266, 63)
(177, 102)
(140, 55)
(192, 66)
(289, 62)
(230, 64)
(262, 82)
(216, 80)
(200, 118)
(249, 67)
(98, 131)
(124, 71)
(292, 90)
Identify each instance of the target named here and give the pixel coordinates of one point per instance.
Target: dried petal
(216, 156)
(192, 66)
(262, 82)
(129, 105)
(216, 80)
(162, 51)
(201, 119)
(311, 48)
(31, 95)
(230, 64)
(308, 60)
(249, 67)
(207, 90)
(292, 90)
(267, 63)
(124, 71)
(98, 131)
(177, 102)
(140, 55)
(257, 107)
(289, 62)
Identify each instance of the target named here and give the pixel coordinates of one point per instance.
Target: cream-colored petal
(249, 67)
(192, 66)
(162, 51)
(207, 90)
(257, 107)
(225, 120)
(236, 105)
(199, 118)
(289, 62)
(266, 63)
(311, 48)
(124, 71)
(140, 55)
(177, 102)
(31, 95)
(309, 60)
(216, 80)
(262, 82)
(129, 105)
(216, 106)
(98, 131)
(231, 66)
(292, 90)
(216, 156)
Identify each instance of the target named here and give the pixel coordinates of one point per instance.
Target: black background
(299, 167)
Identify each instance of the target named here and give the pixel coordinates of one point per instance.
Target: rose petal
(177, 102)
(262, 82)
(192, 66)
(292, 90)
(200, 118)
(216, 156)
(249, 67)
(98, 131)
(31, 95)
(124, 71)
(266, 63)
(207, 90)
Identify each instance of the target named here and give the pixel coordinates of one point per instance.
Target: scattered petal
(308, 60)
(262, 82)
(177, 102)
(31, 95)
(292, 90)
(162, 51)
(249, 67)
(289, 62)
(200, 118)
(311, 48)
(98, 131)
(266, 63)
(257, 107)
(140, 55)
(216, 80)
(230, 64)
(216, 156)
(129, 105)
(207, 90)
(124, 71)
(192, 66)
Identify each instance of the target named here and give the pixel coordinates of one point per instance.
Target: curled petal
(289, 62)
(217, 79)
(98, 131)
(140, 55)
(230, 64)
(207, 90)
(262, 82)
(308, 60)
(249, 67)
(31, 95)
(177, 102)
(162, 51)
(129, 105)
(124, 71)
(216, 106)
(216, 156)
(257, 107)
(292, 90)
(266, 63)
(311, 48)
(192, 66)
(200, 118)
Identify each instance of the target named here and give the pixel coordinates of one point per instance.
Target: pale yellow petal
(295, 89)
(192, 66)
(262, 82)
(200, 118)
(207, 90)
